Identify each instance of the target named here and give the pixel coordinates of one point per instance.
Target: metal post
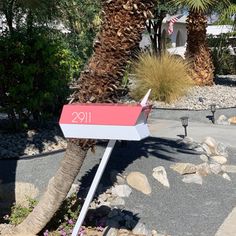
(185, 131)
(93, 187)
(213, 117)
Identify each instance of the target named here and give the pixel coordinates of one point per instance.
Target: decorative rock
(140, 228)
(184, 168)
(124, 232)
(117, 201)
(215, 168)
(139, 182)
(159, 173)
(222, 120)
(229, 168)
(154, 233)
(73, 189)
(199, 149)
(232, 120)
(204, 158)
(212, 144)
(226, 176)
(112, 232)
(192, 178)
(121, 190)
(219, 159)
(221, 149)
(116, 177)
(203, 169)
(206, 149)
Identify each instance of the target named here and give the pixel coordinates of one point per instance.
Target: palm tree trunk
(197, 49)
(123, 23)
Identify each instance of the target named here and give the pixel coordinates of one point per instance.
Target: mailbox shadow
(105, 216)
(125, 154)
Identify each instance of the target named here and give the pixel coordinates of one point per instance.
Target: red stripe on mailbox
(100, 114)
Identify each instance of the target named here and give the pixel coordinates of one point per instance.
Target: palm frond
(199, 5)
(227, 14)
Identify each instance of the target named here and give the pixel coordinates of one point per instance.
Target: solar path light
(104, 121)
(184, 121)
(213, 110)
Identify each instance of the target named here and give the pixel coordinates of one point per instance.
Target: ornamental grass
(168, 77)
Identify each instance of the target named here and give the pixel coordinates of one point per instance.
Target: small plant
(64, 220)
(167, 76)
(19, 213)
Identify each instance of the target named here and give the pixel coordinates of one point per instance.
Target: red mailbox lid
(101, 114)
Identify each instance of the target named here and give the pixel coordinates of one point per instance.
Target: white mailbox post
(104, 121)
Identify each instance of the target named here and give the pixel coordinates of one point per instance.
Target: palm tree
(122, 25)
(197, 48)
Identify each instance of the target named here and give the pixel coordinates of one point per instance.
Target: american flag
(171, 23)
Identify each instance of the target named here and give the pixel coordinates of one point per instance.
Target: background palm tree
(122, 24)
(197, 48)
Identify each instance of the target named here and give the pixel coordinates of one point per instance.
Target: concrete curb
(228, 228)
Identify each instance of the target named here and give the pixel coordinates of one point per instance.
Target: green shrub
(34, 74)
(19, 213)
(224, 63)
(167, 76)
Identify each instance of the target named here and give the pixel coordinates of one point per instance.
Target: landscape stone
(222, 120)
(117, 201)
(192, 178)
(123, 232)
(154, 233)
(212, 145)
(221, 149)
(199, 149)
(139, 181)
(74, 188)
(140, 228)
(232, 120)
(121, 190)
(219, 159)
(226, 176)
(112, 232)
(184, 168)
(206, 149)
(204, 157)
(159, 173)
(203, 169)
(215, 168)
(229, 168)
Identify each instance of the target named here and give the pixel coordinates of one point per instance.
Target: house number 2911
(81, 117)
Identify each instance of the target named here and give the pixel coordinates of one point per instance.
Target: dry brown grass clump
(167, 76)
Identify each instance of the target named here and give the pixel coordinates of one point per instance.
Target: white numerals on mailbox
(81, 117)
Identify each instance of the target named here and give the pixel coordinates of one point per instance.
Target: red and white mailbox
(104, 121)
